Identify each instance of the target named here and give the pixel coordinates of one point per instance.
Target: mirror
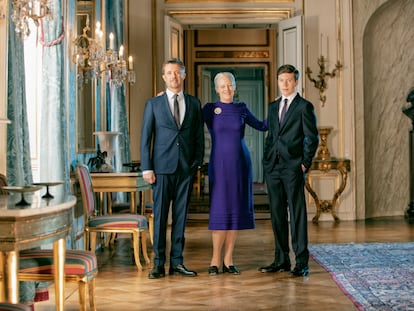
(86, 89)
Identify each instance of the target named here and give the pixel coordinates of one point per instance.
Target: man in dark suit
(172, 148)
(290, 145)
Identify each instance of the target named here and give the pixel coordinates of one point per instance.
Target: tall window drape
(54, 162)
(19, 170)
(117, 113)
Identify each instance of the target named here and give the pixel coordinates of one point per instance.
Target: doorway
(250, 81)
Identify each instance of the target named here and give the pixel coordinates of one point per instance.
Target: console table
(131, 182)
(342, 166)
(43, 221)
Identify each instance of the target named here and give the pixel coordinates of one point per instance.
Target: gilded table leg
(338, 192)
(315, 219)
(59, 250)
(11, 282)
(133, 205)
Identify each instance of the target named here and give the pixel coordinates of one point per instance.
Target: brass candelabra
(321, 84)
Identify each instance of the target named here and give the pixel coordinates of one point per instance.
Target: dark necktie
(283, 113)
(176, 110)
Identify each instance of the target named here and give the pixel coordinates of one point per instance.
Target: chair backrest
(88, 196)
(3, 183)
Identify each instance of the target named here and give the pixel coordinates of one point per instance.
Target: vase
(107, 140)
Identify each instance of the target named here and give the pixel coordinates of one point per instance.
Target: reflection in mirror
(86, 88)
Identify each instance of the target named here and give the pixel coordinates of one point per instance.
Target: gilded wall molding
(232, 54)
(222, 16)
(339, 81)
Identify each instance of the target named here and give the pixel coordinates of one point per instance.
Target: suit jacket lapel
(275, 115)
(168, 109)
(187, 108)
(292, 107)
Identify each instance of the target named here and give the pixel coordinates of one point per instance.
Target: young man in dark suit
(172, 148)
(290, 145)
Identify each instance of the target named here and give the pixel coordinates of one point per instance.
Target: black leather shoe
(300, 270)
(157, 272)
(275, 267)
(182, 270)
(213, 270)
(230, 269)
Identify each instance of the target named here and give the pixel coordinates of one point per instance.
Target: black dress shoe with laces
(157, 272)
(274, 267)
(213, 270)
(181, 270)
(300, 270)
(231, 269)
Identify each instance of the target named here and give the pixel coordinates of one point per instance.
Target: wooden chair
(80, 266)
(136, 225)
(5, 306)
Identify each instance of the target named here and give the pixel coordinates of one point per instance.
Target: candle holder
(321, 84)
(92, 59)
(323, 151)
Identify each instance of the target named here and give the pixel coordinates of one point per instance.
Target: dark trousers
(287, 205)
(174, 189)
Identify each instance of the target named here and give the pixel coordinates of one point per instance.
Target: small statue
(97, 162)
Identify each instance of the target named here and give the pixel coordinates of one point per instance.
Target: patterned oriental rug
(375, 276)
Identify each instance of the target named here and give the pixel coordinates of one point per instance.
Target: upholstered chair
(5, 306)
(80, 266)
(136, 225)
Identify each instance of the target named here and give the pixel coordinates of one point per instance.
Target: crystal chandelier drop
(117, 70)
(23, 10)
(92, 60)
(88, 53)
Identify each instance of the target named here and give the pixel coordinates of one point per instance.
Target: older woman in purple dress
(229, 171)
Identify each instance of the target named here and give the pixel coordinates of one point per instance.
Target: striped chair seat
(77, 262)
(80, 266)
(4, 306)
(119, 221)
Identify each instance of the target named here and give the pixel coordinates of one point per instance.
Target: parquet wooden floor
(120, 287)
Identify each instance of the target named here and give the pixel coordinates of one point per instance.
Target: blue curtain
(19, 170)
(54, 162)
(116, 105)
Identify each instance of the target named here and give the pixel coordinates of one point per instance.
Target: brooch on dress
(217, 110)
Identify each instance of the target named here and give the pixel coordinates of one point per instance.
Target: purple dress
(230, 167)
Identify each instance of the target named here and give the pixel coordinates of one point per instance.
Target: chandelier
(23, 10)
(93, 60)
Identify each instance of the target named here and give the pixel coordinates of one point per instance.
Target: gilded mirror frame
(86, 93)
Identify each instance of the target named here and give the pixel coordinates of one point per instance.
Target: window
(33, 76)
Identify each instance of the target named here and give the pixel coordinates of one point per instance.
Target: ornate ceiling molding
(246, 16)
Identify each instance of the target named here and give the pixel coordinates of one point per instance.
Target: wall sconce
(3, 4)
(23, 10)
(92, 60)
(321, 83)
